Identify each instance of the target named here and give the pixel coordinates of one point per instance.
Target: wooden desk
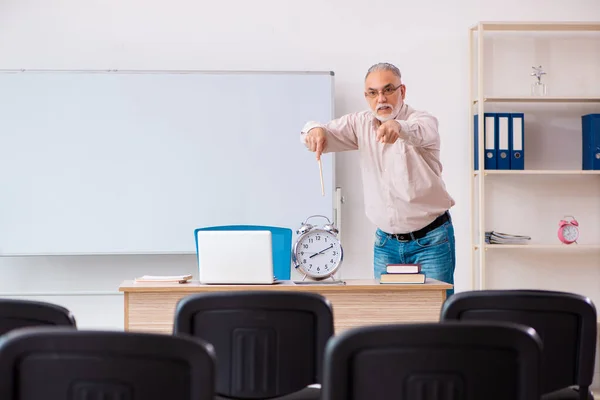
(150, 307)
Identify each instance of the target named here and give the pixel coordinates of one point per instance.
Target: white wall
(428, 40)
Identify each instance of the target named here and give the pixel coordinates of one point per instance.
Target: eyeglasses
(386, 91)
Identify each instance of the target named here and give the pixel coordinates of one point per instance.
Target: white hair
(383, 66)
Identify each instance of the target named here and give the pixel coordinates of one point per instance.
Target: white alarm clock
(317, 252)
(568, 230)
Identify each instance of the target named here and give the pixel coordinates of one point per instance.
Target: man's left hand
(388, 132)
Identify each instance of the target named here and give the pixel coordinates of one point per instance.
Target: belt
(405, 237)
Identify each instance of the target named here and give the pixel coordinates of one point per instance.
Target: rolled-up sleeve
(420, 129)
(340, 133)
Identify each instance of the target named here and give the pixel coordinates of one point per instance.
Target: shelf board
(538, 99)
(538, 26)
(560, 247)
(538, 172)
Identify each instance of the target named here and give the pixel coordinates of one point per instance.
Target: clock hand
(321, 252)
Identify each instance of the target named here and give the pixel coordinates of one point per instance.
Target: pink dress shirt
(403, 186)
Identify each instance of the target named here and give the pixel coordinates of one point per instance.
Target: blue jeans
(435, 252)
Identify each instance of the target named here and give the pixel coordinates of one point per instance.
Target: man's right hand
(316, 140)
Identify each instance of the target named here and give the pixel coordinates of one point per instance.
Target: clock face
(318, 253)
(569, 232)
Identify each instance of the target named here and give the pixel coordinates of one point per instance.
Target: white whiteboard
(131, 162)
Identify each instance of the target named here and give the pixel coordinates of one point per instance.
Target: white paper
(164, 278)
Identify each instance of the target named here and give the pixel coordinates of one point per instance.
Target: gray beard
(384, 118)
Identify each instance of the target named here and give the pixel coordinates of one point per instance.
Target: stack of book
(493, 237)
(403, 273)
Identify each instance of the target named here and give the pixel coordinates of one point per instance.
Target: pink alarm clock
(568, 231)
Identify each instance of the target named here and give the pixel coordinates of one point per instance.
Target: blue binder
(590, 127)
(517, 141)
(503, 140)
(489, 135)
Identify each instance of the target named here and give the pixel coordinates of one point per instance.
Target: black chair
(268, 344)
(56, 363)
(433, 361)
(27, 313)
(566, 323)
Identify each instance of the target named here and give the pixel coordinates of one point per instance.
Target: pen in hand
(321, 173)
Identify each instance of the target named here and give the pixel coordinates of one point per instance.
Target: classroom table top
(350, 285)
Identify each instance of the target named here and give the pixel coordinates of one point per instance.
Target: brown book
(402, 278)
(403, 268)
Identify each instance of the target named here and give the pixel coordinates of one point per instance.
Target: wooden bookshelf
(479, 101)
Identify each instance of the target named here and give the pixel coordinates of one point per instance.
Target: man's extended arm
(340, 133)
(420, 129)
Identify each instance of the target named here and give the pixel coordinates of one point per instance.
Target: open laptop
(235, 257)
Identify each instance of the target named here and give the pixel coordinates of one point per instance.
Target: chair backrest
(425, 361)
(267, 343)
(44, 363)
(565, 322)
(16, 313)
(282, 246)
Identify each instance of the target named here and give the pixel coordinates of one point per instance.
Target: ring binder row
(590, 127)
(504, 141)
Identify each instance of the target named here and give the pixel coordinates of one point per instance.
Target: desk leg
(126, 311)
